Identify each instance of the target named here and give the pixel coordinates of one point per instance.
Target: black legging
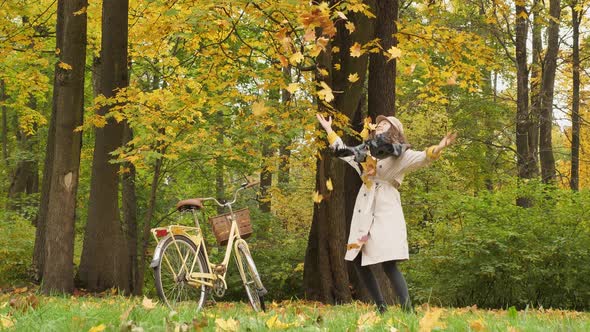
(395, 276)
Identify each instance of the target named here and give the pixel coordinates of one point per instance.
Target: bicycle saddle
(189, 204)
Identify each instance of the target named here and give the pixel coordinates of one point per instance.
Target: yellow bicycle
(181, 264)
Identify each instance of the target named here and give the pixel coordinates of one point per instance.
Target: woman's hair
(392, 135)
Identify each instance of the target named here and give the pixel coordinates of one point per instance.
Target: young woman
(378, 229)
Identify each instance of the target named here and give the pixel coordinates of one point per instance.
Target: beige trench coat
(378, 210)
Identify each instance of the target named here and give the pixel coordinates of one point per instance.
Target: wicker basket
(221, 225)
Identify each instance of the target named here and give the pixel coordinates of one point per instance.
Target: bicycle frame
(218, 271)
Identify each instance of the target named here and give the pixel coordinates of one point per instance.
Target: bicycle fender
(158, 252)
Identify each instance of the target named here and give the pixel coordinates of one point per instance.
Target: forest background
(113, 111)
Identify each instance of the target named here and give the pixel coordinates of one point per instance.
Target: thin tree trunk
(575, 170)
(65, 159)
(264, 202)
(522, 99)
(129, 207)
(547, 92)
(285, 150)
(219, 178)
(535, 83)
(148, 220)
(105, 261)
(25, 179)
(325, 275)
(3, 98)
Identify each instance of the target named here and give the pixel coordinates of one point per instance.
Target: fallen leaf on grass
(125, 314)
(226, 325)
(367, 320)
(198, 325)
(274, 323)
(477, 325)
(6, 322)
(148, 304)
(97, 328)
(431, 320)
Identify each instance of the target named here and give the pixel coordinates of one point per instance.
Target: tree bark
(547, 91)
(535, 86)
(264, 203)
(219, 178)
(65, 157)
(325, 275)
(105, 261)
(25, 179)
(3, 98)
(522, 100)
(129, 207)
(284, 149)
(575, 167)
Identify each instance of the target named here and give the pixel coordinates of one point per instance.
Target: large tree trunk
(522, 100)
(105, 261)
(575, 167)
(325, 275)
(65, 155)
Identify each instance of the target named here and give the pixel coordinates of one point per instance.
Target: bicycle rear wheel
(250, 277)
(172, 276)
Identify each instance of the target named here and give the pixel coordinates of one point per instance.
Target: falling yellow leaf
(148, 304)
(57, 51)
(6, 322)
(230, 325)
(98, 328)
(342, 16)
(350, 27)
(393, 53)
(337, 66)
(64, 65)
(477, 325)
(292, 87)
(368, 320)
(355, 50)
(81, 11)
(296, 58)
(326, 93)
(329, 185)
(258, 108)
(274, 323)
(335, 49)
(317, 197)
(431, 320)
(323, 72)
(353, 77)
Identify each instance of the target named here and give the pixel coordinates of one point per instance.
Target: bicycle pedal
(262, 291)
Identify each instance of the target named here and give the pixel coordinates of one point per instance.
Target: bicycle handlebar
(243, 186)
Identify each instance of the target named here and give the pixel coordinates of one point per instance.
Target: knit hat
(393, 120)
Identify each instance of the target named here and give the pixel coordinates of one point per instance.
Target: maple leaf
(431, 320)
(368, 320)
(81, 11)
(259, 109)
(317, 197)
(329, 185)
(148, 304)
(353, 77)
(355, 50)
(229, 325)
(350, 27)
(393, 53)
(64, 65)
(98, 328)
(326, 93)
(293, 87)
(274, 323)
(296, 58)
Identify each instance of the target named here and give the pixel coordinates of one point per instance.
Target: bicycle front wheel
(250, 277)
(171, 273)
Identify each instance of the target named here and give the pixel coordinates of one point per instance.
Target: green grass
(29, 311)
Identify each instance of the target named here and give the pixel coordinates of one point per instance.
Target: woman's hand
(326, 124)
(446, 141)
